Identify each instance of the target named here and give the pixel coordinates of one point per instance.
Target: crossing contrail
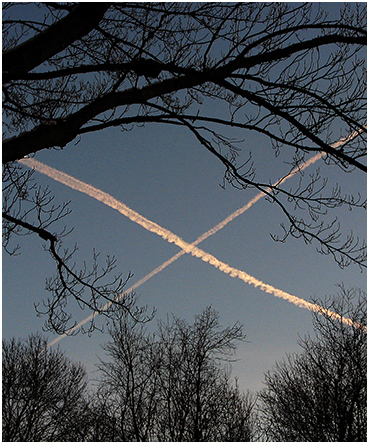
(173, 238)
(204, 236)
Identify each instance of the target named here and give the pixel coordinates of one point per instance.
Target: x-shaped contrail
(190, 248)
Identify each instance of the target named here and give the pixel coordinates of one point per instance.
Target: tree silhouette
(44, 394)
(171, 385)
(289, 73)
(321, 394)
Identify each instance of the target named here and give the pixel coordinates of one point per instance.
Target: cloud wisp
(189, 248)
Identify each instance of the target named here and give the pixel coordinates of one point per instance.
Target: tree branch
(326, 236)
(44, 234)
(67, 279)
(35, 51)
(65, 130)
(282, 53)
(322, 146)
(304, 91)
(62, 131)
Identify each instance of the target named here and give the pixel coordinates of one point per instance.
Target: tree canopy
(43, 392)
(172, 385)
(321, 394)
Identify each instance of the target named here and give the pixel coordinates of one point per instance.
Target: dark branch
(44, 234)
(54, 39)
(321, 146)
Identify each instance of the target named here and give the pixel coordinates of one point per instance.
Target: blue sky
(162, 173)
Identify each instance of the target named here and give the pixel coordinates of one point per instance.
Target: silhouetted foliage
(171, 385)
(175, 385)
(43, 393)
(287, 72)
(321, 394)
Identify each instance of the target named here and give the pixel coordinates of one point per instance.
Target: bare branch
(80, 21)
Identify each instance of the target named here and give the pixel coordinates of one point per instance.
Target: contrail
(172, 238)
(108, 304)
(241, 210)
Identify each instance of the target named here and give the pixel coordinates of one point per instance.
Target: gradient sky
(165, 175)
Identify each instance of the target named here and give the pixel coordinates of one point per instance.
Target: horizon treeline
(175, 384)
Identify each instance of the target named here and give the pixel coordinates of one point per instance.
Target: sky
(168, 178)
(163, 173)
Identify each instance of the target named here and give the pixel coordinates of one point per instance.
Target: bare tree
(321, 394)
(99, 422)
(171, 386)
(43, 393)
(130, 379)
(287, 72)
(193, 383)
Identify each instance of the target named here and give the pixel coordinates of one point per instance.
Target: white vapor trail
(173, 238)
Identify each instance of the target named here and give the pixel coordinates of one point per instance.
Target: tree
(288, 72)
(321, 394)
(99, 423)
(171, 386)
(129, 379)
(43, 393)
